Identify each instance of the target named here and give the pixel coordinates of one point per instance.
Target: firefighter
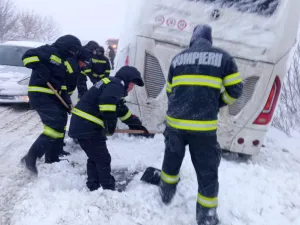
(94, 117)
(124, 114)
(99, 68)
(73, 69)
(47, 64)
(194, 83)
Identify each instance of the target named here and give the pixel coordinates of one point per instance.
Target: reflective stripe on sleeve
(32, 59)
(207, 202)
(105, 80)
(98, 61)
(108, 107)
(40, 89)
(48, 131)
(107, 71)
(69, 67)
(197, 80)
(169, 179)
(192, 125)
(70, 92)
(55, 59)
(127, 115)
(169, 87)
(88, 116)
(63, 87)
(232, 79)
(227, 98)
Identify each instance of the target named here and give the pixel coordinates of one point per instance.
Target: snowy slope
(264, 190)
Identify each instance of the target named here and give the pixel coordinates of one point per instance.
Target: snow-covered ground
(261, 191)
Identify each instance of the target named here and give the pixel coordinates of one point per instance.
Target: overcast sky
(87, 19)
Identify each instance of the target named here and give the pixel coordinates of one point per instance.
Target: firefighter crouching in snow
(94, 117)
(73, 68)
(194, 82)
(99, 68)
(47, 64)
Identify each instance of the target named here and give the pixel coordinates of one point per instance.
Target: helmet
(92, 46)
(68, 45)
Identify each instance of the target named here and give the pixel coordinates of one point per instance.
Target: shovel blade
(151, 176)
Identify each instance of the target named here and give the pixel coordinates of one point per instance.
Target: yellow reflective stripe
(48, 131)
(98, 61)
(63, 87)
(69, 67)
(169, 87)
(70, 92)
(127, 115)
(227, 98)
(31, 59)
(55, 59)
(107, 71)
(88, 116)
(108, 107)
(207, 202)
(105, 80)
(87, 71)
(65, 127)
(96, 75)
(197, 80)
(40, 89)
(193, 125)
(169, 179)
(83, 73)
(232, 79)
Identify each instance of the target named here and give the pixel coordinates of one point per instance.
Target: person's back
(196, 78)
(194, 84)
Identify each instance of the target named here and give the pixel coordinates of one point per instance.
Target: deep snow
(261, 191)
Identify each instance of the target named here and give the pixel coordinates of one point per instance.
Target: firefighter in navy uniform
(194, 85)
(99, 68)
(47, 64)
(100, 65)
(73, 68)
(94, 117)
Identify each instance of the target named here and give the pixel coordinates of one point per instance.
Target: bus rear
(259, 34)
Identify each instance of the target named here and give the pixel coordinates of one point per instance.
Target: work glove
(146, 133)
(110, 126)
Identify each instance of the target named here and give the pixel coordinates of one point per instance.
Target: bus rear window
(260, 7)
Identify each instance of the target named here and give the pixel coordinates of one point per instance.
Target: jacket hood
(130, 74)
(201, 31)
(68, 45)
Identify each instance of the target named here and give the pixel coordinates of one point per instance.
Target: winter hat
(68, 45)
(202, 31)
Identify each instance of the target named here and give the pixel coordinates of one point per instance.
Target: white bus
(259, 34)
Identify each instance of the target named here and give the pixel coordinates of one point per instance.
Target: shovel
(151, 176)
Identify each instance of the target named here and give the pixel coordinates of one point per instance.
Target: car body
(14, 77)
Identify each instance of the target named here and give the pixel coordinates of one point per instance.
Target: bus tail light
(267, 113)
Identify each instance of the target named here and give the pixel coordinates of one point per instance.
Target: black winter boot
(206, 216)
(30, 163)
(167, 191)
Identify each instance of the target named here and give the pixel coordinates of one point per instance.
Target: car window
(12, 55)
(260, 7)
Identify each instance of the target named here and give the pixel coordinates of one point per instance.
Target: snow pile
(258, 192)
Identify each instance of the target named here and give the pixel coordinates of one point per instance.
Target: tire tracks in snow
(16, 128)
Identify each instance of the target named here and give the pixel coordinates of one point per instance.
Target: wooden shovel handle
(58, 96)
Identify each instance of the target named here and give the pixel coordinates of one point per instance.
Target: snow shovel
(151, 176)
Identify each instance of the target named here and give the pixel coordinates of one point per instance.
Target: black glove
(110, 126)
(146, 133)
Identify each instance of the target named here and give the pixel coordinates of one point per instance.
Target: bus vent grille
(154, 77)
(248, 90)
